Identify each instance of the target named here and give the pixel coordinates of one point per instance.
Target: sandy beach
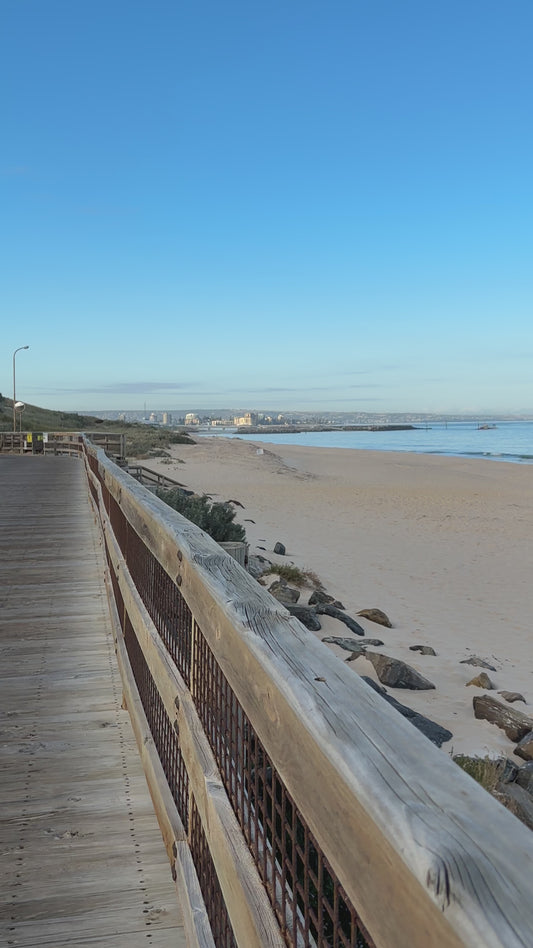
(442, 545)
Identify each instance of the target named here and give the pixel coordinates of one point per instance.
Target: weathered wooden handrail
(313, 813)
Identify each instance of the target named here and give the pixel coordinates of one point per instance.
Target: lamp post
(14, 396)
(20, 406)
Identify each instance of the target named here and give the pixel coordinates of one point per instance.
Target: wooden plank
(399, 823)
(82, 858)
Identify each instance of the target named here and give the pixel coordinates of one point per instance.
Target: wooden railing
(60, 442)
(296, 806)
(153, 478)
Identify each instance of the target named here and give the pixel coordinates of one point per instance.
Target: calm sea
(508, 441)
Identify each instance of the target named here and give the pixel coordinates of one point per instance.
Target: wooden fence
(296, 806)
(60, 442)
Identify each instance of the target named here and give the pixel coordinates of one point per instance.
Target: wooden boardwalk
(82, 859)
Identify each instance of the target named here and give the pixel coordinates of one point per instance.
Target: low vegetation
(298, 577)
(487, 771)
(216, 519)
(145, 441)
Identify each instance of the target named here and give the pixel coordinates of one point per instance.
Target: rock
(481, 681)
(307, 617)
(476, 660)
(511, 696)
(279, 548)
(423, 649)
(518, 801)
(397, 674)
(376, 615)
(350, 644)
(283, 593)
(358, 649)
(435, 732)
(258, 565)
(320, 596)
(515, 724)
(339, 614)
(510, 772)
(524, 777)
(524, 748)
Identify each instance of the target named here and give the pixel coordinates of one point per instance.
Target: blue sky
(295, 205)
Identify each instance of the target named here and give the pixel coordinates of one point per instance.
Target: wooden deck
(82, 859)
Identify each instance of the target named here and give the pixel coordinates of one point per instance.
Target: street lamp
(14, 396)
(20, 406)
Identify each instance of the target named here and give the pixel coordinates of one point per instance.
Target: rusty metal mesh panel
(93, 490)
(161, 727)
(310, 904)
(119, 524)
(210, 887)
(92, 462)
(119, 601)
(165, 605)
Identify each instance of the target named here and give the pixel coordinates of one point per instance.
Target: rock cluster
(398, 674)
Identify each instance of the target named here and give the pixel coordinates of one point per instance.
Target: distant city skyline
(307, 206)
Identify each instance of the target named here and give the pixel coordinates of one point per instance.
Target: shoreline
(441, 544)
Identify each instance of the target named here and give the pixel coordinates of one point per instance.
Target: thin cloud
(124, 388)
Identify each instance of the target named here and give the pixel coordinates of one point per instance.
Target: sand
(442, 545)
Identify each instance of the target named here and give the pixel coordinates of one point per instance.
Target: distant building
(249, 418)
(167, 418)
(191, 419)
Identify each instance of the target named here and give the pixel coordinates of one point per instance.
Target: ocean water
(508, 441)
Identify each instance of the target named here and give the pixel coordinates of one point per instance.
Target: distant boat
(485, 427)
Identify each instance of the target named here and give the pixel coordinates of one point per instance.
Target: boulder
(376, 615)
(423, 649)
(328, 610)
(320, 596)
(518, 801)
(279, 548)
(358, 649)
(524, 748)
(481, 681)
(350, 644)
(284, 593)
(307, 617)
(524, 777)
(515, 724)
(512, 696)
(397, 674)
(258, 566)
(476, 660)
(434, 732)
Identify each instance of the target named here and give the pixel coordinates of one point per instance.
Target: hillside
(140, 439)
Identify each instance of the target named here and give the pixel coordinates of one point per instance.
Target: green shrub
(215, 518)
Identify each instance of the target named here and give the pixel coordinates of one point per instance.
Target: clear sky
(291, 204)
